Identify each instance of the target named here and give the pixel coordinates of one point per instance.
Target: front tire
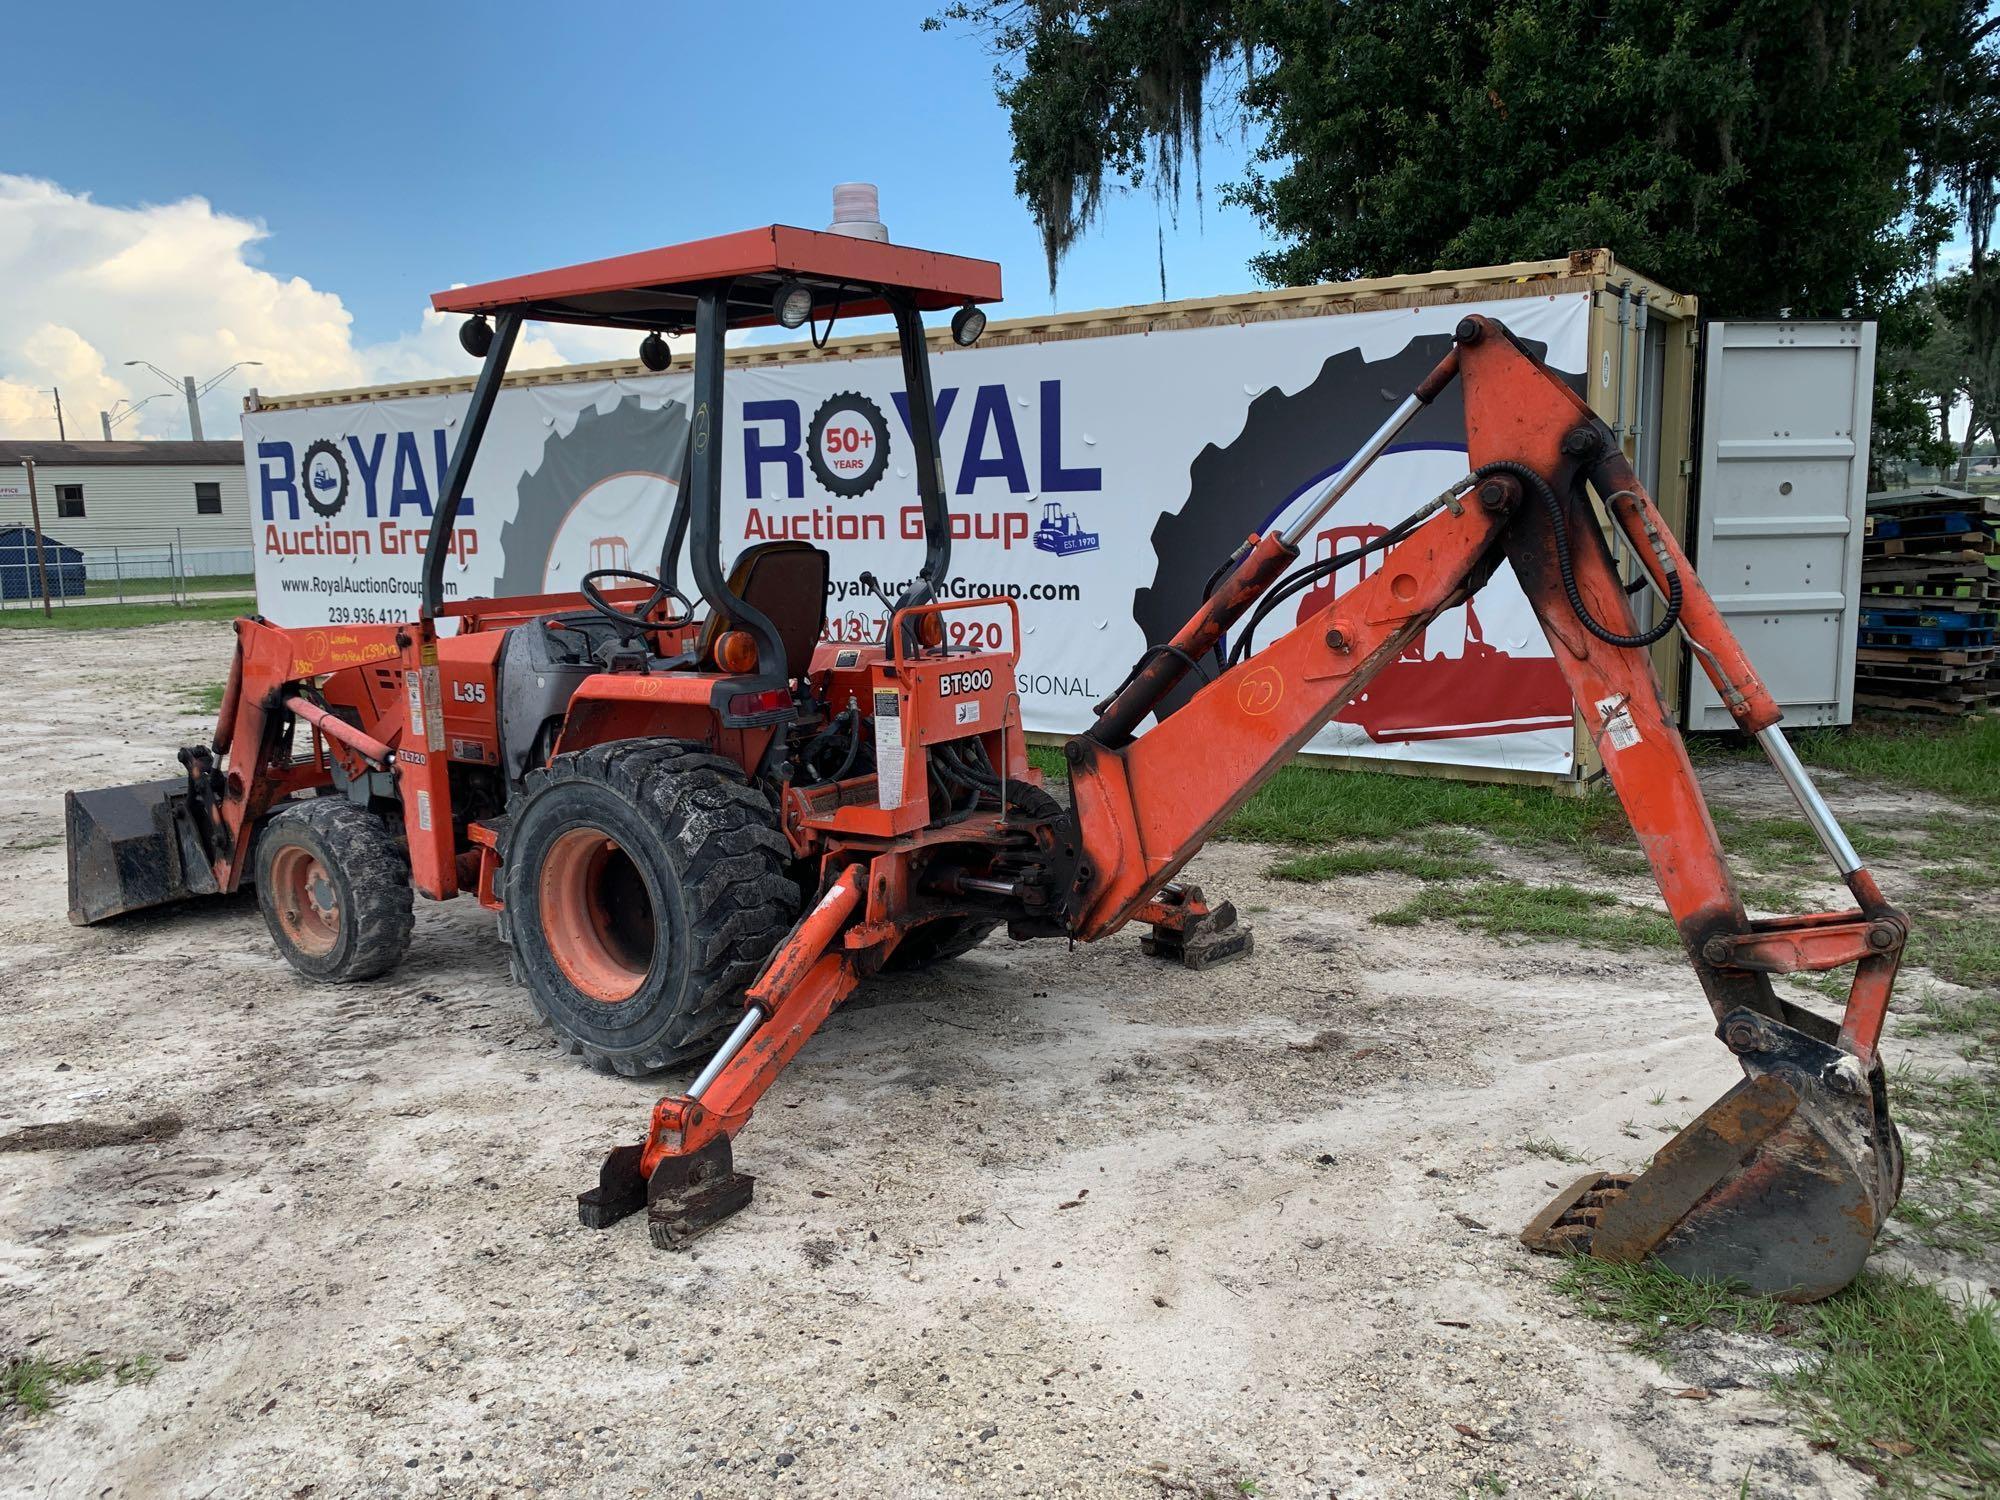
(645, 886)
(334, 887)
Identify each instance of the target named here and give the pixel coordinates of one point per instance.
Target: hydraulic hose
(1324, 568)
(1559, 529)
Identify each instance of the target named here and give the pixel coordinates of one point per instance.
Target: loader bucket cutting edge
(132, 847)
(1779, 1187)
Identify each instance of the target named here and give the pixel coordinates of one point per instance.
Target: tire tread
(724, 838)
(377, 870)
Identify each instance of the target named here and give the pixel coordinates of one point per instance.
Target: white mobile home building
(140, 509)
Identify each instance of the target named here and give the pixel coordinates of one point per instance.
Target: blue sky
(390, 150)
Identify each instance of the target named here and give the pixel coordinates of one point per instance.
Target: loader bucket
(1779, 1187)
(131, 847)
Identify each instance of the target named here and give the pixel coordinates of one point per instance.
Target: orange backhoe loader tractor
(705, 819)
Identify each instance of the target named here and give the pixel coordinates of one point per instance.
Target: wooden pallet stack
(1930, 603)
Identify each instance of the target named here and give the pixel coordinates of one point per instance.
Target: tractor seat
(786, 583)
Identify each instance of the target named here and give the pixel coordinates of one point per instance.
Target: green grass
(120, 616)
(1312, 804)
(206, 699)
(222, 583)
(1502, 909)
(1771, 895)
(1951, 1198)
(1959, 945)
(35, 1381)
(1316, 805)
(32, 1383)
(1960, 760)
(1553, 1149)
(1440, 854)
(101, 585)
(1895, 1377)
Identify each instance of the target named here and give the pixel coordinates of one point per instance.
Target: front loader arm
(1782, 1183)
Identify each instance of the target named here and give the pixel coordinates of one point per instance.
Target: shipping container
(1100, 463)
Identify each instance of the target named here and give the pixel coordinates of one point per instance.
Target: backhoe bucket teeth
(1779, 1187)
(131, 847)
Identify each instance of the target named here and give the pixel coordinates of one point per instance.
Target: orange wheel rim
(307, 902)
(597, 915)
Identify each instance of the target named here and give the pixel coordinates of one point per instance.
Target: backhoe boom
(1144, 806)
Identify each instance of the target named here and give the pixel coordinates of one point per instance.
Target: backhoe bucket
(131, 847)
(1779, 1187)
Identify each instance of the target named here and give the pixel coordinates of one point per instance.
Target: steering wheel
(634, 622)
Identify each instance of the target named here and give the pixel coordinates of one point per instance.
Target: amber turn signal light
(736, 652)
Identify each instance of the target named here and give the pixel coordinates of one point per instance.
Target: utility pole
(105, 418)
(41, 545)
(194, 407)
(61, 435)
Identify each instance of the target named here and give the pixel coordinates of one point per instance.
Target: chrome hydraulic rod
(1811, 803)
(1355, 467)
(752, 1019)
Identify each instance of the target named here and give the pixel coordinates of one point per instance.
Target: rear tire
(334, 887)
(645, 886)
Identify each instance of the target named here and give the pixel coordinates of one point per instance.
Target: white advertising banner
(1096, 481)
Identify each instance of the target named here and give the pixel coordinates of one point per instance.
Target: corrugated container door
(1783, 482)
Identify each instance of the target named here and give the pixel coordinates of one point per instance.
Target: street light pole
(185, 386)
(109, 421)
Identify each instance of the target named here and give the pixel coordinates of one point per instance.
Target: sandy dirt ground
(1039, 1223)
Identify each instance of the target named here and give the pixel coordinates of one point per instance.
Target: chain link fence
(119, 565)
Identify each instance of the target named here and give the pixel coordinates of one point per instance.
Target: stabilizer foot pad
(1199, 941)
(620, 1191)
(690, 1195)
(672, 1222)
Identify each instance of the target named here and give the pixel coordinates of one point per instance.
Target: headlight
(793, 304)
(966, 326)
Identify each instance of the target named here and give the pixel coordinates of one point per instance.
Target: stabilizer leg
(684, 1174)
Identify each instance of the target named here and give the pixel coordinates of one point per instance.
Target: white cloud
(85, 286)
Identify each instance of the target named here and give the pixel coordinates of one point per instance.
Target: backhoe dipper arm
(1813, 1101)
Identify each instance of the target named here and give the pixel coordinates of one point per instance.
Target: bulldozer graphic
(1428, 694)
(1059, 532)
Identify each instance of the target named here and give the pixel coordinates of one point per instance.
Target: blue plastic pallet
(1925, 637)
(1900, 619)
(1947, 523)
